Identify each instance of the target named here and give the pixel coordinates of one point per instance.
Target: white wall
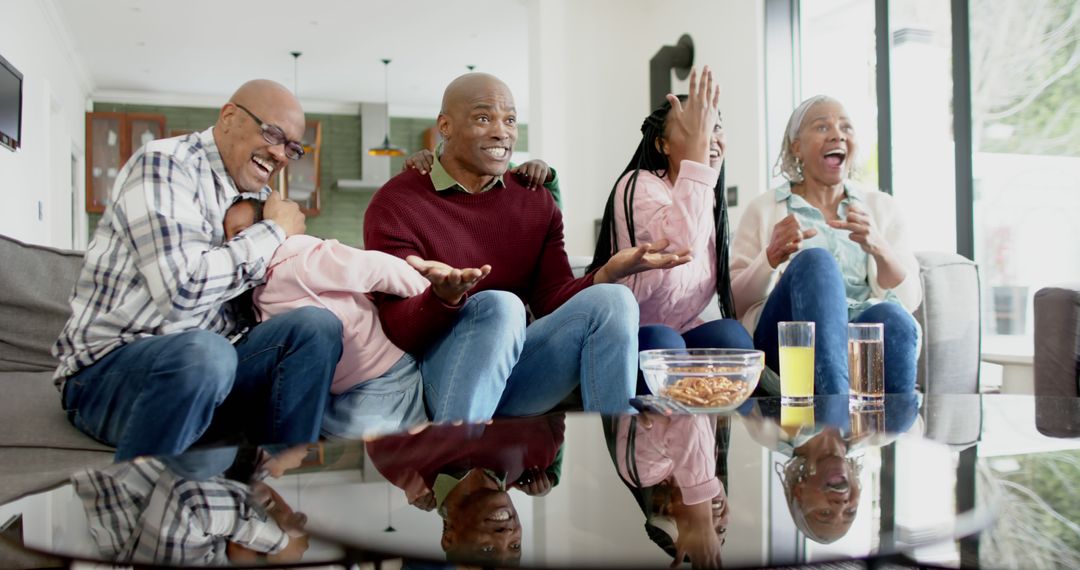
(589, 90)
(55, 90)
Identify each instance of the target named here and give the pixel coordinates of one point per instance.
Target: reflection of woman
(820, 249)
(465, 472)
(670, 465)
(671, 193)
(821, 478)
(822, 488)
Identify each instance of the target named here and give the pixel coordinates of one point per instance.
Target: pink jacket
(306, 271)
(681, 447)
(683, 214)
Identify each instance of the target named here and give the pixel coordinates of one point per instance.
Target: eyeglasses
(275, 136)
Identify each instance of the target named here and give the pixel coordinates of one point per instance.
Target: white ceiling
(204, 49)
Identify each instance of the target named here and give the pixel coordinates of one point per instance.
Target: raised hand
(787, 238)
(644, 257)
(422, 160)
(448, 283)
(285, 214)
(535, 173)
(690, 126)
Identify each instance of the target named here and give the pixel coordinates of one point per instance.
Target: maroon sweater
(518, 231)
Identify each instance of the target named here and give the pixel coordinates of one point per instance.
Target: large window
(1025, 99)
(924, 179)
(838, 60)
(1015, 172)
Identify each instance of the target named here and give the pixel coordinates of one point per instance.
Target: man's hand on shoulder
(448, 283)
(285, 214)
(644, 257)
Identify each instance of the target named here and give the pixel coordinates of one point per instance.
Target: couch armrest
(951, 323)
(1057, 341)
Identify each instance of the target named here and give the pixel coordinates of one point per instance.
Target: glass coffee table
(945, 480)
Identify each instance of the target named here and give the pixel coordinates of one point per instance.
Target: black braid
(648, 157)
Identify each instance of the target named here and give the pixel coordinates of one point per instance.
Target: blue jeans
(721, 333)
(393, 401)
(812, 289)
(159, 395)
(491, 363)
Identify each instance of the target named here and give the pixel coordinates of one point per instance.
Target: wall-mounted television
(10, 105)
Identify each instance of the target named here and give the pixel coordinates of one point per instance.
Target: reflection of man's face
(829, 497)
(482, 525)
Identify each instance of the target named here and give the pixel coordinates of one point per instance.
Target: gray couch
(38, 446)
(1057, 357)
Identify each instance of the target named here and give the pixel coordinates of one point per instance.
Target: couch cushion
(31, 416)
(950, 320)
(35, 285)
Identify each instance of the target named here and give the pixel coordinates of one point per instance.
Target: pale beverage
(866, 421)
(866, 361)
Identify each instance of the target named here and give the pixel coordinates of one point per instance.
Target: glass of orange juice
(796, 361)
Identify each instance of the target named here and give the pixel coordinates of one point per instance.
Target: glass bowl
(703, 379)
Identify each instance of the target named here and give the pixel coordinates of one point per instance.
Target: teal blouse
(849, 255)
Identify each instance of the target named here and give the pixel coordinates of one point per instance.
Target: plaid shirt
(158, 262)
(140, 511)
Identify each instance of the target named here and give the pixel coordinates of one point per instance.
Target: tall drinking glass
(866, 362)
(796, 361)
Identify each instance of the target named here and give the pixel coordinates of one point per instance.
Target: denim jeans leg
(154, 396)
(656, 337)
(590, 340)
(282, 379)
(391, 402)
(721, 333)
(811, 289)
(901, 344)
(465, 372)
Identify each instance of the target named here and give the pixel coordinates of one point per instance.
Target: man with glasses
(153, 358)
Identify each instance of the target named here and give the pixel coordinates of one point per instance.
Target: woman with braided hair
(672, 189)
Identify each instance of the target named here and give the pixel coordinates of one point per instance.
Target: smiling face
(479, 125)
(827, 494)
(485, 526)
(717, 146)
(825, 144)
(249, 159)
(830, 498)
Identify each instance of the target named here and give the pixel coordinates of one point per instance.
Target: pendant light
(386, 149)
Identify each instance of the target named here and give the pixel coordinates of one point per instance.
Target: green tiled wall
(342, 213)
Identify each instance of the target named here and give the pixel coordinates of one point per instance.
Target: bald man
(493, 249)
(153, 358)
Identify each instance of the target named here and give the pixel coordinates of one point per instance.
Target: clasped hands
(788, 235)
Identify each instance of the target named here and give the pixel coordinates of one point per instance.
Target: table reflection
(673, 466)
(184, 510)
(825, 444)
(766, 485)
(465, 473)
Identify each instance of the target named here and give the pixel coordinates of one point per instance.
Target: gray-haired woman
(820, 249)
